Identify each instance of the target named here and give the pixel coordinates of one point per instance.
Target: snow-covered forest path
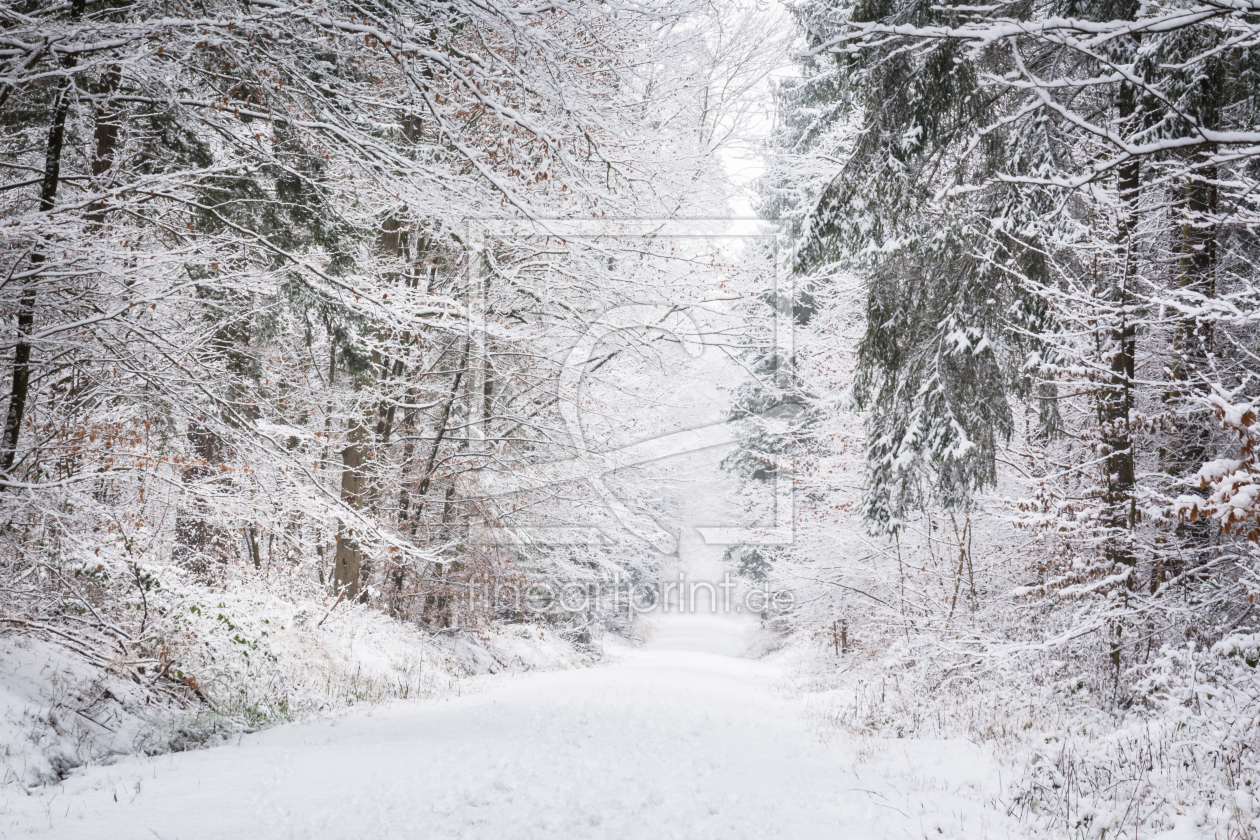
(681, 738)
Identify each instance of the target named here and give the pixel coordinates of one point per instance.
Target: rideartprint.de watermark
(673, 595)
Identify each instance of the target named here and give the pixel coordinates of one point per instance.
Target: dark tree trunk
(21, 368)
(105, 136)
(1120, 515)
(1118, 398)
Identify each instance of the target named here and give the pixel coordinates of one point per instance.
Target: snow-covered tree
(243, 340)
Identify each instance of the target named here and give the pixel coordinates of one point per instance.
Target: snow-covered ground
(682, 737)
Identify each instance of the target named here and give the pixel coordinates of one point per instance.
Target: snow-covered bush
(114, 657)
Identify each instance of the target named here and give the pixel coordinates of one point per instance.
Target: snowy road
(681, 738)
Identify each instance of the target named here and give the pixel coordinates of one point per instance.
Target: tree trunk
(21, 368)
(430, 465)
(1120, 515)
(1188, 447)
(348, 564)
(105, 136)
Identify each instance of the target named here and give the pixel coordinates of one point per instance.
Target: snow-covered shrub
(1183, 755)
(117, 656)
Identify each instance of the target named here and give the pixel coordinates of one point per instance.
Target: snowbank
(1178, 763)
(225, 663)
